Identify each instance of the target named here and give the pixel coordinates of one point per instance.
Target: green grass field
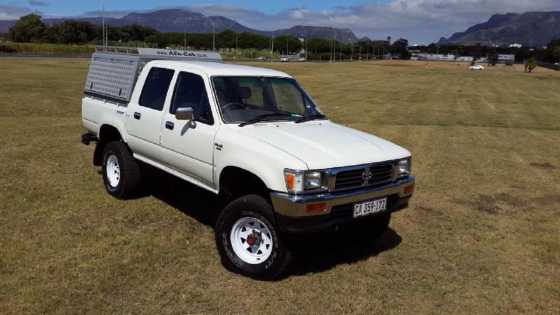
(481, 236)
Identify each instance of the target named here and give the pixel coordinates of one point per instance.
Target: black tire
(253, 206)
(129, 181)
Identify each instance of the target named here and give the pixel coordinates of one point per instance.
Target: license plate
(369, 207)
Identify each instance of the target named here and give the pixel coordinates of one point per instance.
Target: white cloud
(11, 12)
(297, 14)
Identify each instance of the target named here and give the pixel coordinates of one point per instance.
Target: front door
(190, 144)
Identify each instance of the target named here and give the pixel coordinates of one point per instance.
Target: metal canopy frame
(114, 70)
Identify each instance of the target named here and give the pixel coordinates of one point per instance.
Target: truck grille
(373, 175)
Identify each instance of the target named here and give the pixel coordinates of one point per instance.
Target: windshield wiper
(310, 117)
(264, 117)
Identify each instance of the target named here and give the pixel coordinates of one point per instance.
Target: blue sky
(420, 21)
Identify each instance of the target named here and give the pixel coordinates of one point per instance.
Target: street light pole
(103, 23)
(185, 34)
(236, 45)
(334, 49)
(213, 36)
(272, 48)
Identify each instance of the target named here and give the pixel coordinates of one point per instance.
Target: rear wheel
(121, 172)
(248, 240)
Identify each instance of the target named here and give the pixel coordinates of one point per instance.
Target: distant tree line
(552, 52)
(549, 54)
(31, 28)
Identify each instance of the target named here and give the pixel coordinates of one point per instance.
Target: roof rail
(117, 49)
(156, 53)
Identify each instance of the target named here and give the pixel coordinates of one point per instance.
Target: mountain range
(533, 29)
(179, 20)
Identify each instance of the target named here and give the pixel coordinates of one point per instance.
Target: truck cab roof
(218, 69)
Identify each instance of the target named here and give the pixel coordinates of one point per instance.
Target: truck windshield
(246, 100)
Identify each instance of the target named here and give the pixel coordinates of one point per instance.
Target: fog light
(316, 208)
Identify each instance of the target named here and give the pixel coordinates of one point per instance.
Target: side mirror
(184, 113)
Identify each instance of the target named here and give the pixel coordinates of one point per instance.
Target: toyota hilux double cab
(252, 136)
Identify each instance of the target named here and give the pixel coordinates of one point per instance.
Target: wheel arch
(235, 181)
(107, 133)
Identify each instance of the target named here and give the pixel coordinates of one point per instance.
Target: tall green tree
(71, 32)
(286, 44)
(28, 28)
(400, 48)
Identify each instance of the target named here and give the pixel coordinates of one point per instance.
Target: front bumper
(294, 215)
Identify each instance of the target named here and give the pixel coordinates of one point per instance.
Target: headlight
(404, 167)
(299, 181)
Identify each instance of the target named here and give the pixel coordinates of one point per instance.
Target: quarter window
(155, 88)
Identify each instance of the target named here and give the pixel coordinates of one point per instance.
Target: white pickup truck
(250, 135)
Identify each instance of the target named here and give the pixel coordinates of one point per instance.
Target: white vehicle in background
(477, 67)
(253, 137)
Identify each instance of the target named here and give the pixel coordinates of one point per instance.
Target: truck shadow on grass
(313, 253)
(326, 251)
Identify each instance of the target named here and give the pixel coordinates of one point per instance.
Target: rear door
(146, 112)
(190, 144)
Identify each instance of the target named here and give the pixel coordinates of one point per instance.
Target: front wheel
(248, 240)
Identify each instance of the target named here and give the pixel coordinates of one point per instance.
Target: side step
(88, 138)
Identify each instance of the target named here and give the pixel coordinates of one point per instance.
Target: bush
(7, 49)
(530, 64)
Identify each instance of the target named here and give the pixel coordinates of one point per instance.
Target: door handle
(137, 115)
(169, 125)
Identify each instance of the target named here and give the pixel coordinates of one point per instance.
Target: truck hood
(323, 144)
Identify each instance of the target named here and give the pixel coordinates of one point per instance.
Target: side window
(190, 91)
(155, 88)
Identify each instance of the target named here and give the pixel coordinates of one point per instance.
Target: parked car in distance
(477, 67)
(251, 136)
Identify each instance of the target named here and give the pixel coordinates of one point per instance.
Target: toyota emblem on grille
(366, 176)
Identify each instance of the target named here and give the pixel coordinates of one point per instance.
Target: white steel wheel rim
(113, 170)
(251, 240)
